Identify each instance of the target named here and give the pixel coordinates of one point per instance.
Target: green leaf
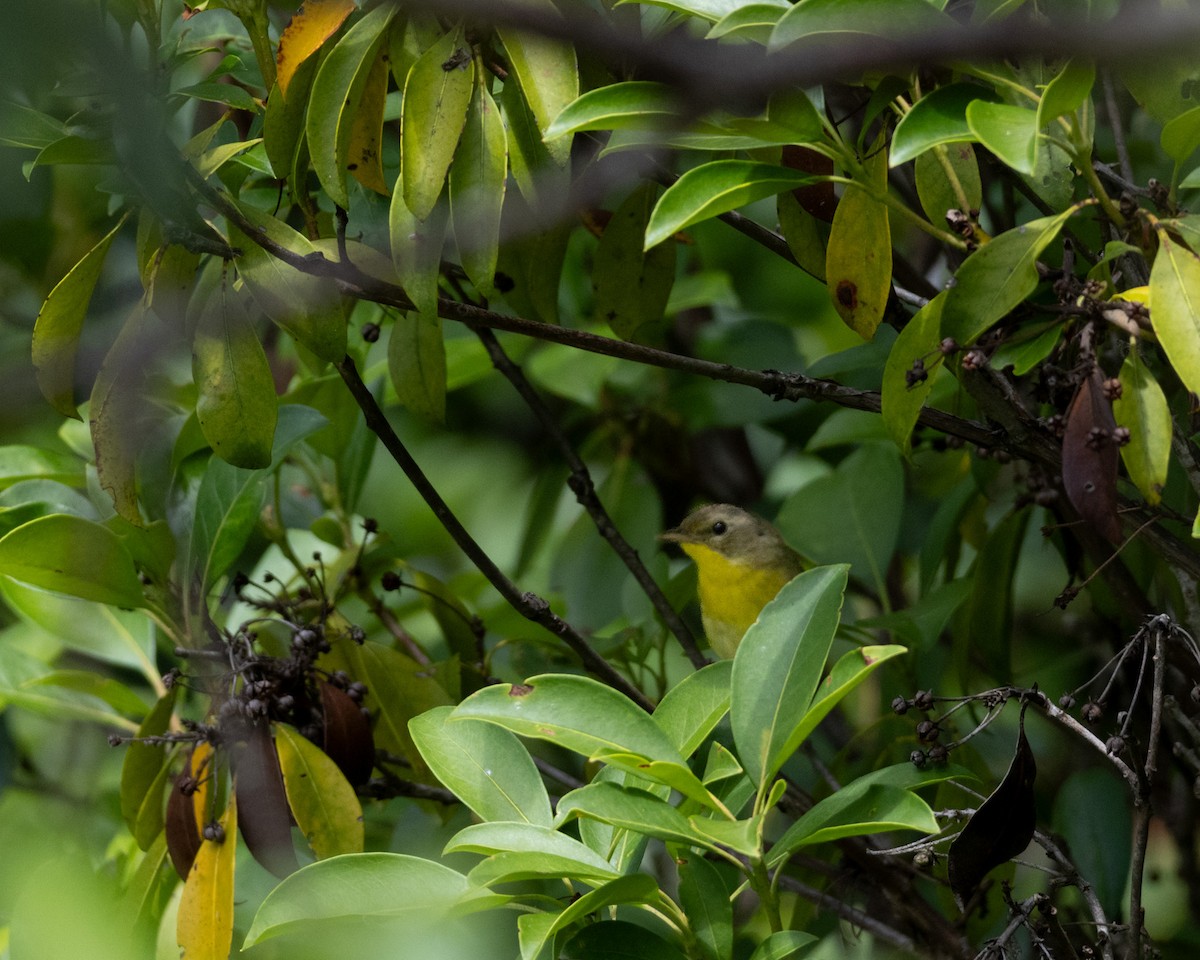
(990, 606)
(106, 633)
(711, 10)
(782, 944)
(74, 556)
(997, 277)
(477, 180)
(858, 259)
(358, 887)
(21, 126)
(577, 713)
(851, 669)
(934, 189)
(881, 800)
(535, 850)
(417, 363)
(435, 107)
(536, 931)
(874, 810)
(1067, 91)
(632, 284)
(19, 463)
(336, 93)
(1175, 310)
(939, 117)
(484, 765)
(853, 514)
(230, 499)
(778, 666)
(1181, 135)
(1011, 133)
(143, 774)
(714, 188)
(547, 74)
(705, 900)
(320, 797)
(754, 21)
(284, 119)
(22, 685)
(1142, 409)
(56, 331)
(417, 251)
(1091, 811)
(236, 407)
(630, 809)
(694, 706)
(613, 939)
(308, 308)
(814, 20)
(641, 104)
(902, 401)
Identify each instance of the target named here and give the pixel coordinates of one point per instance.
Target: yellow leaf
(364, 156)
(201, 760)
(205, 926)
(322, 800)
(1175, 310)
(315, 23)
(858, 260)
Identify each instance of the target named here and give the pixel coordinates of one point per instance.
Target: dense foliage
(374, 343)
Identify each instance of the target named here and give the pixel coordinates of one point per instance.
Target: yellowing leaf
(1175, 314)
(204, 929)
(364, 155)
(313, 24)
(858, 261)
(417, 363)
(436, 97)
(1142, 410)
(321, 798)
(236, 407)
(56, 332)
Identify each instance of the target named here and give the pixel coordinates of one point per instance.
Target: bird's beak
(674, 536)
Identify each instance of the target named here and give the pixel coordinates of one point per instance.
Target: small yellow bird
(742, 562)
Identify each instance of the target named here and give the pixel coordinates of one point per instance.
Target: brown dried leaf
(348, 741)
(1090, 458)
(264, 815)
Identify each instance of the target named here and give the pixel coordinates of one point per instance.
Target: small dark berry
(370, 524)
(114, 740)
(918, 759)
(370, 332)
(923, 700)
(1114, 745)
(928, 731)
(1121, 436)
(900, 706)
(1066, 701)
(390, 580)
(948, 346)
(1112, 389)
(938, 753)
(1092, 712)
(358, 634)
(974, 360)
(1097, 438)
(285, 703)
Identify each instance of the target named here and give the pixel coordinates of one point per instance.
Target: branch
(529, 605)
(581, 485)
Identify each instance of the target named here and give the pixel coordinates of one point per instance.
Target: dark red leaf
(1090, 458)
(263, 814)
(817, 198)
(1000, 829)
(348, 741)
(183, 832)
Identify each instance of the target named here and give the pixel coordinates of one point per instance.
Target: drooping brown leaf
(348, 741)
(1000, 829)
(1090, 457)
(184, 809)
(264, 816)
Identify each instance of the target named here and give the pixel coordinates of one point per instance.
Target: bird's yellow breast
(732, 594)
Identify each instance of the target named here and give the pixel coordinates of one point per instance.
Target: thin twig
(1116, 126)
(529, 605)
(580, 482)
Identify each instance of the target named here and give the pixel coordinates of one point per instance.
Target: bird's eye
(719, 527)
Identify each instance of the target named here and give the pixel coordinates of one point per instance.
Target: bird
(742, 561)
